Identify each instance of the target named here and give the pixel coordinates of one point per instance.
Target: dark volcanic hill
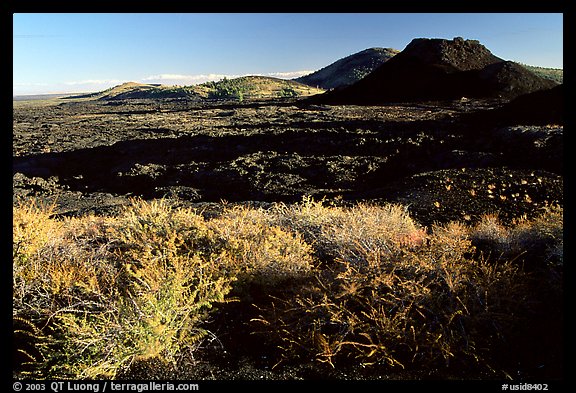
(459, 54)
(349, 69)
(439, 69)
(543, 107)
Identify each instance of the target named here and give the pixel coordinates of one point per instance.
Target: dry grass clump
(421, 307)
(263, 254)
(535, 242)
(399, 298)
(346, 232)
(542, 237)
(32, 230)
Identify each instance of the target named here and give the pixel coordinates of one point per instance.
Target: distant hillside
(554, 74)
(255, 87)
(440, 69)
(133, 90)
(247, 87)
(348, 70)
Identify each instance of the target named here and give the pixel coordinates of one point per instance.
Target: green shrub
(228, 89)
(288, 92)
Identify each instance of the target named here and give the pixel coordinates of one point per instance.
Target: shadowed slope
(438, 69)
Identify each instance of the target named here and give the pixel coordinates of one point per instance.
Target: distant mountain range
(349, 69)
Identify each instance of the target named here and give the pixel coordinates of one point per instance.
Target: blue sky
(55, 53)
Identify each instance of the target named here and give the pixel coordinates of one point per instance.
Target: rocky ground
(92, 156)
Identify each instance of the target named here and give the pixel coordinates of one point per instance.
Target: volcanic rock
(439, 69)
(538, 108)
(462, 55)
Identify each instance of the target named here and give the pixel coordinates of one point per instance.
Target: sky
(70, 53)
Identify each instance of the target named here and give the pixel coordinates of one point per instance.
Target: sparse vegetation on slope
(130, 90)
(255, 87)
(349, 69)
(95, 296)
(247, 87)
(554, 74)
(133, 90)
